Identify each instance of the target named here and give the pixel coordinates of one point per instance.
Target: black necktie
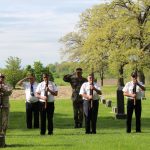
(32, 91)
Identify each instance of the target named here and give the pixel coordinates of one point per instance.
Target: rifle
(46, 93)
(134, 92)
(91, 90)
(1, 107)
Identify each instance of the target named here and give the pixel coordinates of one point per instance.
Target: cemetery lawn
(111, 133)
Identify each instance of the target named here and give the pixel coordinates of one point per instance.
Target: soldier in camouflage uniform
(5, 91)
(76, 80)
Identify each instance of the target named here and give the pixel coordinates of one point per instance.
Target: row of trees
(14, 72)
(114, 36)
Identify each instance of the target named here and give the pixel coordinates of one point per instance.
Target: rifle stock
(134, 92)
(46, 93)
(91, 90)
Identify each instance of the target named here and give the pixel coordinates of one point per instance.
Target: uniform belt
(133, 99)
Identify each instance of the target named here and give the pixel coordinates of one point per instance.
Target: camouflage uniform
(76, 98)
(5, 91)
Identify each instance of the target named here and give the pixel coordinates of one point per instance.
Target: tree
(110, 35)
(39, 70)
(138, 13)
(13, 70)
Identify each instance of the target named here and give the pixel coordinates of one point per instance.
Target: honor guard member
(5, 92)
(76, 80)
(90, 111)
(32, 102)
(134, 91)
(46, 91)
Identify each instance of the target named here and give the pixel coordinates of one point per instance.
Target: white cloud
(30, 29)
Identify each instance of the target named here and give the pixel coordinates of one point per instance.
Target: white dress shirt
(85, 89)
(27, 87)
(129, 89)
(41, 89)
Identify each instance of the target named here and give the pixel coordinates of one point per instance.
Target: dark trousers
(138, 109)
(78, 112)
(48, 112)
(32, 109)
(90, 115)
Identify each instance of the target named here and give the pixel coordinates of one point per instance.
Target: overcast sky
(30, 29)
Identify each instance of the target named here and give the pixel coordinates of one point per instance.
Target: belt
(133, 99)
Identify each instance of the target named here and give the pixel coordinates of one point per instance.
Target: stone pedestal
(2, 140)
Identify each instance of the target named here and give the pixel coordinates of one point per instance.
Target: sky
(31, 29)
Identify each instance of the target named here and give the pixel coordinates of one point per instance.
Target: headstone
(108, 103)
(2, 140)
(120, 104)
(114, 110)
(103, 101)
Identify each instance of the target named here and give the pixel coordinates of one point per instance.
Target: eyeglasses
(2, 77)
(45, 77)
(134, 76)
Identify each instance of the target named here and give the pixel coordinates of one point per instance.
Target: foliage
(110, 35)
(13, 70)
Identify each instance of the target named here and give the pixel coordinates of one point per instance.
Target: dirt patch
(64, 92)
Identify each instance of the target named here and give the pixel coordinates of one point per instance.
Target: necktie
(32, 91)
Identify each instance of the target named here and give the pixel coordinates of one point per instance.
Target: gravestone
(114, 110)
(103, 101)
(108, 103)
(120, 104)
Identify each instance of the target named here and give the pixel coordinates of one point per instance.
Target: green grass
(110, 135)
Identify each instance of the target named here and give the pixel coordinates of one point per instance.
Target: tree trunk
(120, 78)
(141, 76)
(102, 77)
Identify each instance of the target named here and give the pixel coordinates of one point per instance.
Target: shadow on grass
(45, 145)
(64, 121)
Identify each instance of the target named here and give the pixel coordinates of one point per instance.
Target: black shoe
(36, 127)
(93, 132)
(76, 126)
(80, 125)
(128, 131)
(50, 133)
(138, 131)
(88, 132)
(29, 127)
(42, 133)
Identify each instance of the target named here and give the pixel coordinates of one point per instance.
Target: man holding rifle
(133, 90)
(45, 92)
(90, 103)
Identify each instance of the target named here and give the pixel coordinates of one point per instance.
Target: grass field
(110, 135)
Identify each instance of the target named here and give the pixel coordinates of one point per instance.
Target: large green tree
(115, 35)
(13, 70)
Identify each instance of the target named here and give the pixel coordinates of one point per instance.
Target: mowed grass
(110, 135)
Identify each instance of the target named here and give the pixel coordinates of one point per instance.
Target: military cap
(78, 69)
(134, 74)
(45, 75)
(2, 75)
